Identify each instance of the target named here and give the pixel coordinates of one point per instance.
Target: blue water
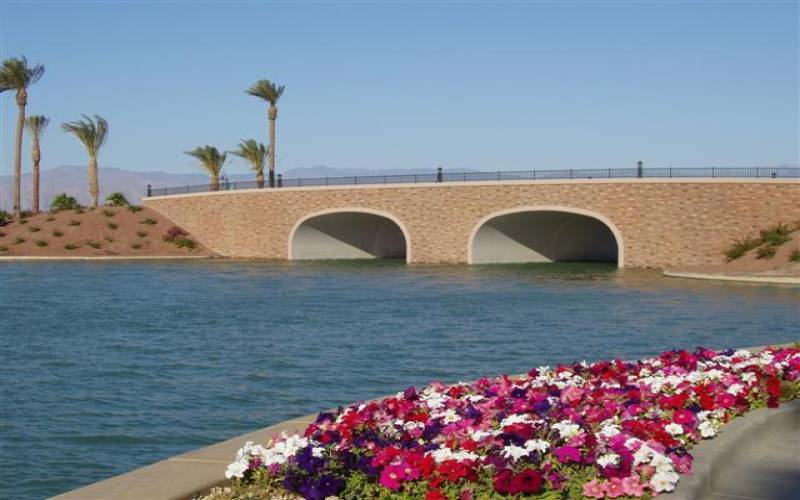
(109, 366)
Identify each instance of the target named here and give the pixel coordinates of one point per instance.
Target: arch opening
(348, 235)
(548, 235)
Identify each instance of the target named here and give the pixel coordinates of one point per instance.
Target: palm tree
(92, 134)
(15, 74)
(36, 125)
(255, 153)
(212, 160)
(268, 91)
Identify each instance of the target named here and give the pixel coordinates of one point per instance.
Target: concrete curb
(782, 280)
(54, 258)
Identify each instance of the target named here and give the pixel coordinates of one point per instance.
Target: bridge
(633, 221)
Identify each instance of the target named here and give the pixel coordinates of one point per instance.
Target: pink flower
(614, 488)
(683, 417)
(567, 454)
(632, 487)
(594, 489)
(392, 476)
(726, 400)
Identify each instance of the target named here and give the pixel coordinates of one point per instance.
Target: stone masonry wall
(662, 222)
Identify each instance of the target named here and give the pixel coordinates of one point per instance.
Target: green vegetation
(117, 200)
(766, 252)
(211, 160)
(112, 226)
(19, 241)
(41, 243)
(741, 247)
(795, 255)
(108, 239)
(50, 218)
(776, 235)
(2, 234)
(269, 92)
(36, 125)
(17, 75)
(5, 217)
(94, 244)
(134, 208)
(185, 243)
(179, 238)
(57, 233)
(136, 246)
(23, 221)
(108, 213)
(34, 229)
(149, 222)
(141, 234)
(255, 153)
(92, 134)
(64, 202)
(3, 248)
(74, 222)
(70, 246)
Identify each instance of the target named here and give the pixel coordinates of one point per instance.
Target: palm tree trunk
(94, 190)
(21, 101)
(260, 179)
(215, 182)
(36, 156)
(273, 115)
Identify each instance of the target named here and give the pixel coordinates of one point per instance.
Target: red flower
(502, 481)
(435, 495)
(527, 481)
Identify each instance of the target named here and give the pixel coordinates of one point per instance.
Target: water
(109, 366)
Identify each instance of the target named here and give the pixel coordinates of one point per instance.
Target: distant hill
(71, 179)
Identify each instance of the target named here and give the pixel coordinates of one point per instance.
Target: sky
(389, 85)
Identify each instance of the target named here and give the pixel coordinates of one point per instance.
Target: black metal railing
(527, 175)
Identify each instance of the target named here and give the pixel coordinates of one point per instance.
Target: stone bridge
(632, 222)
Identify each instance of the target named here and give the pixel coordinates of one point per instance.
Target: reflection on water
(109, 366)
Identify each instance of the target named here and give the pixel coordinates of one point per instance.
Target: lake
(106, 367)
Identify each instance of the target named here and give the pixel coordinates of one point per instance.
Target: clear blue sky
(416, 85)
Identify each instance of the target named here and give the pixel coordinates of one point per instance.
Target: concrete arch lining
(563, 235)
(349, 233)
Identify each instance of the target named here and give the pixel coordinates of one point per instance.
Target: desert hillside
(104, 231)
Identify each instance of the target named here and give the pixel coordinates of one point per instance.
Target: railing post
(415, 178)
(670, 172)
(439, 175)
(149, 190)
(639, 169)
(609, 173)
(280, 180)
(713, 172)
(534, 175)
(570, 173)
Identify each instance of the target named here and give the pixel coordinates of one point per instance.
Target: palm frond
(209, 157)
(91, 133)
(36, 124)
(254, 152)
(15, 74)
(267, 90)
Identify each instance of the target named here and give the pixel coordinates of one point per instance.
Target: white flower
(748, 377)
(608, 459)
(516, 419)
(236, 469)
(642, 455)
(317, 451)
(515, 452)
(434, 399)
(450, 416)
(481, 435)
(674, 429)
(707, 429)
(664, 481)
(474, 398)
(734, 389)
(537, 445)
(567, 429)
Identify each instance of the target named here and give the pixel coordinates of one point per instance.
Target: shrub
(41, 243)
(23, 221)
(117, 200)
(3, 248)
(108, 213)
(64, 202)
(70, 246)
(80, 211)
(185, 243)
(776, 235)
(174, 232)
(74, 222)
(50, 218)
(112, 226)
(25, 214)
(108, 239)
(19, 241)
(134, 208)
(141, 234)
(149, 222)
(795, 255)
(741, 247)
(766, 252)
(136, 246)
(5, 217)
(2, 234)
(93, 244)
(57, 233)
(34, 229)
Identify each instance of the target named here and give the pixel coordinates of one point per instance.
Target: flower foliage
(611, 429)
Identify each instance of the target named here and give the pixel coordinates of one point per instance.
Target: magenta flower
(392, 476)
(568, 454)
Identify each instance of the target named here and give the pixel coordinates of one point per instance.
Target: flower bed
(611, 429)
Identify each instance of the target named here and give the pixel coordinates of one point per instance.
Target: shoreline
(29, 258)
(742, 278)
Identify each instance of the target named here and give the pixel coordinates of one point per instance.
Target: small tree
(64, 202)
(270, 93)
(92, 134)
(211, 160)
(117, 200)
(254, 153)
(36, 125)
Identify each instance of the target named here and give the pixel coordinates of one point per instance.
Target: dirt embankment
(101, 232)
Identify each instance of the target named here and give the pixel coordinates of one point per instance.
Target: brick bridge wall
(661, 222)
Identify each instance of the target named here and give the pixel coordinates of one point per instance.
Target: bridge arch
(349, 233)
(545, 234)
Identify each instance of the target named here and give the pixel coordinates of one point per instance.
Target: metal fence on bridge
(526, 175)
